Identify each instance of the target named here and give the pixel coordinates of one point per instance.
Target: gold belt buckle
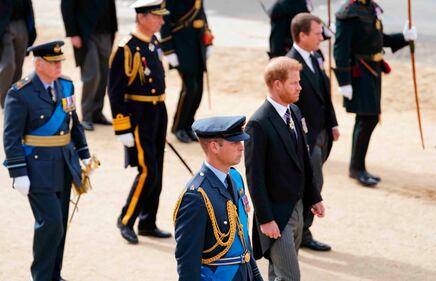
(377, 57)
(198, 23)
(247, 257)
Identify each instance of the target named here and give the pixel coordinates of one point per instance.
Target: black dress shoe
(154, 233)
(88, 125)
(364, 178)
(192, 135)
(129, 235)
(315, 245)
(377, 178)
(183, 136)
(102, 120)
(119, 222)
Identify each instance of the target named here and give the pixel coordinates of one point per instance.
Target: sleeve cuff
(121, 124)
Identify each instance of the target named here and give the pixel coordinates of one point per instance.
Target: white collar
(281, 109)
(305, 54)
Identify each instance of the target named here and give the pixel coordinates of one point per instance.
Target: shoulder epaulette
(196, 181)
(192, 185)
(124, 41)
(21, 83)
(64, 77)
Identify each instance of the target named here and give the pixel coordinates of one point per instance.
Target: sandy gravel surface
(387, 233)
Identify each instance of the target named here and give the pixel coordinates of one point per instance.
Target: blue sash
(56, 119)
(227, 272)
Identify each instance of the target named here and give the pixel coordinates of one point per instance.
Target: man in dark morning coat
(315, 104)
(17, 32)
(358, 53)
(91, 24)
(186, 42)
(43, 141)
(211, 215)
(279, 172)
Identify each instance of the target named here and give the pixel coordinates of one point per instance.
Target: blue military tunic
(202, 214)
(28, 107)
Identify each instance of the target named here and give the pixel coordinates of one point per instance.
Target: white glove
(172, 59)
(328, 31)
(409, 34)
(209, 51)
(22, 184)
(346, 91)
(126, 139)
(86, 161)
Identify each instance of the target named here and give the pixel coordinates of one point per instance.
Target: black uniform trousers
(150, 134)
(363, 127)
(50, 211)
(189, 100)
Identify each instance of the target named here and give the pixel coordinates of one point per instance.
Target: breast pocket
(39, 118)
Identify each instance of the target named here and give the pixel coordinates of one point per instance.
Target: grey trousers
(94, 72)
(317, 159)
(12, 52)
(283, 263)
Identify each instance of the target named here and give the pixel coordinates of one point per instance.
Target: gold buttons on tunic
(150, 80)
(153, 91)
(61, 133)
(36, 156)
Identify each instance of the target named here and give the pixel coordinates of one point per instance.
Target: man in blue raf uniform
(211, 221)
(137, 95)
(358, 52)
(186, 42)
(43, 140)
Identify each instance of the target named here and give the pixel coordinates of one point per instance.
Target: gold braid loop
(176, 209)
(131, 69)
(219, 236)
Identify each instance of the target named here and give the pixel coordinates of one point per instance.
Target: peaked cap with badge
(50, 51)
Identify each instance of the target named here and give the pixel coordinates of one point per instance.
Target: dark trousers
(94, 72)
(318, 156)
(189, 100)
(143, 199)
(363, 128)
(12, 52)
(50, 211)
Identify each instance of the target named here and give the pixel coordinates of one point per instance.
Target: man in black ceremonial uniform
(91, 24)
(186, 42)
(17, 32)
(358, 52)
(211, 216)
(43, 141)
(281, 14)
(137, 95)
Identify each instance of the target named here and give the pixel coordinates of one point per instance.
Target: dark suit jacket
(276, 177)
(80, 18)
(315, 101)
(6, 7)
(27, 108)
(194, 232)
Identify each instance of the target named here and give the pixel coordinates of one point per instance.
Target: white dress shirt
(306, 56)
